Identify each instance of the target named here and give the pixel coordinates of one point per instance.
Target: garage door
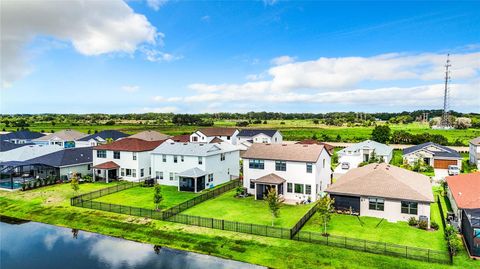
(443, 164)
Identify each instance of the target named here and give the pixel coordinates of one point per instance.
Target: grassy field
(51, 205)
(247, 210)
(396, 233)
(291, 129)
(143, 197)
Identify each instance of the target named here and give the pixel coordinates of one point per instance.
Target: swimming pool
(8, 185)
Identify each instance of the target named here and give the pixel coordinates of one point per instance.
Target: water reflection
(34, 245)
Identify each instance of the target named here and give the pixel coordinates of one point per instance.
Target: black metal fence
(304, 219)
(233, 226)
(383, 248)
(74, 201)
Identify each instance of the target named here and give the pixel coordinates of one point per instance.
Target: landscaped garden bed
(247, 210)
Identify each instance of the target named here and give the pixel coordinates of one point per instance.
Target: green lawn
(143, 197)
(395, 233)
(247, 210)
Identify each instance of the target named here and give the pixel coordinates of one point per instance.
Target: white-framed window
(289, 187)
(299, 188)
(164, 158)
(308, 189)
(409, 208)
(101, 154)
(175, 158)
(157, 174)
(89, 167)
(222, 156)
(134, 172)
(134, 156)
(176, 176)
(280, 166)
(256, 164)
(122, 172)
(149, 171)
(116, 154)
(376, 204)
(128, 172)
(200, 160)
(181, 158)
(210, 177)
(323, 165)
(171, 176)
(309, 168)
(142, 173)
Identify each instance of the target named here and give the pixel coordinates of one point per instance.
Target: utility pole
(445, 121)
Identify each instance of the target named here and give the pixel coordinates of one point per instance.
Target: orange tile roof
(465, 189)
(131, 144)
(107, 165)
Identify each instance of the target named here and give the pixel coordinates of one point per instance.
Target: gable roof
(193, 149)
(28, 152)
(65, 135)
(24, 134)
(216, 140)
(328, 147)
(113, 134)
(465, 189)
(270, 179)
(380, 149)
(284, 152)
(6, 146)
(181, 138)
(130, 144)
(475, 141)
(254, 132)
(65, 157)
(192, 172)
(217, 131)
(107, 165)
(442, 152)
(384, 180)
(150, 136)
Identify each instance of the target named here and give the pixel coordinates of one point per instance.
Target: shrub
(423, 224)
(434, 225)
(412, 221)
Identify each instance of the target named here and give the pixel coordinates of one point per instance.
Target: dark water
(36, 246)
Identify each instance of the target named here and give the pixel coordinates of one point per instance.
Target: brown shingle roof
(465, 189)
(131, 144)
(270, 179)
(67, 135)
(475, 141)
(217, 131)
(285, 152)
(328, 147)
(150, 136)
(181, 138)
(107, 165)
(384, 180)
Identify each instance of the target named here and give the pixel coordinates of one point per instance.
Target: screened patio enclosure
(471, 230)
(13, 174)
(192, 180)
(266, 183)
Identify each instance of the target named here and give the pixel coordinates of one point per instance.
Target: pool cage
(15, 175)
(471, 230)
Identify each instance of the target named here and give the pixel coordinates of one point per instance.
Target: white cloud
(156, 4)
(282, 60)
(164, 99)
(92, 27)
(155, 55)
(205, 18)
(130, 88)
(165, 109)
(269, 2)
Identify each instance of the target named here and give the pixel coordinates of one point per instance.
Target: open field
(291, 129)
(51, 205)
(247, 210)
(143, 197)
(366, 228)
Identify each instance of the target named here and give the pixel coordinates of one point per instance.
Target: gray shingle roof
(66, 135)
(65, 157)
(285, 152)
(441, 152)
(24, 134)
(192, 172)
(193, 149)
(254, 132)
(6, 146)
(113, 134)
(380, 149)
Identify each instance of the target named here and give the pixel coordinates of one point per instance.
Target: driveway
(440, 174)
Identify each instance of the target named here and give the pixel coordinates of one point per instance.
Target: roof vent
(305, 146)
(284, 145)
(459, 194)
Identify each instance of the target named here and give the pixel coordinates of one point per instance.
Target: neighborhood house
(150, 136)
(100, 138)
(432, 154)
(350, 157)
(63, 138)
(299, 173)
(194, 166)
(20, 137)
(383, 191)
(206, 135)
(474, 152)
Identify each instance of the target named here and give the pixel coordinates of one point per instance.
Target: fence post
(365, 245)
(406, 252)
(223, 224)
(327, 239)
(345, 241)
(428, 255)
(385, 248)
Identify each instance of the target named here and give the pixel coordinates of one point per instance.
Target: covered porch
(106, 170)
(192, 180)
(265, 183)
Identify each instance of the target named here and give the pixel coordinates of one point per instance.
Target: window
(376, 204)
(134, 156)
(89, 167)
(181, 158)
(210, 177)
(171, 176)
(222, 156)
(323, 163)
(175, 158)
(142, 172)
(157, 175)
(122, 172)
(128, 172)
(149, 171)
(256, 164)
(409, 208)
(252, 184)
(200, 160)
(308, 189)
(280, 166)
(289, 187)
(134, 172)
(298, 188)
(164, 158)
(309, 168)
(194, 139)
(116, 154)
(228, 137)
(161, 175)
(101, 154)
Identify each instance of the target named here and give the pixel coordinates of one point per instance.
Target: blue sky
(192, 57)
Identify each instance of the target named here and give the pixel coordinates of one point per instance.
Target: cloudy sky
(189, 57)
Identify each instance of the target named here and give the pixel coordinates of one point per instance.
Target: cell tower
(445, 122)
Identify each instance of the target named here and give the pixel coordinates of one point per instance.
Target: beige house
(150, 136)
(383, 191)
(474, 152)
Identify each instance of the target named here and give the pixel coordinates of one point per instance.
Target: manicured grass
(247, 210)
(395, 233)
(143, 197)
(270, 252)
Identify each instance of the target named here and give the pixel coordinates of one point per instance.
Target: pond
(30, 245)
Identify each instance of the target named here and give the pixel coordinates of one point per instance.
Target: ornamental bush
(412, 221)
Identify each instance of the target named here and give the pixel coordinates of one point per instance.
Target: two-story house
(195, 166)
(64, 138)
(127, 158)
(206, 135)
(474, 152)
(247, 137)
(102, 137)
(297, 172)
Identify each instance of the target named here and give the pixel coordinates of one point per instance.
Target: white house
(383, 191)
(474, 151)
(20, 137)
(432, 154)
(127, 158)
(100, 138)
(206, 135)
(63, 138)
(362, 152)
(247, 137)
(297, 172)
(195, 166)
